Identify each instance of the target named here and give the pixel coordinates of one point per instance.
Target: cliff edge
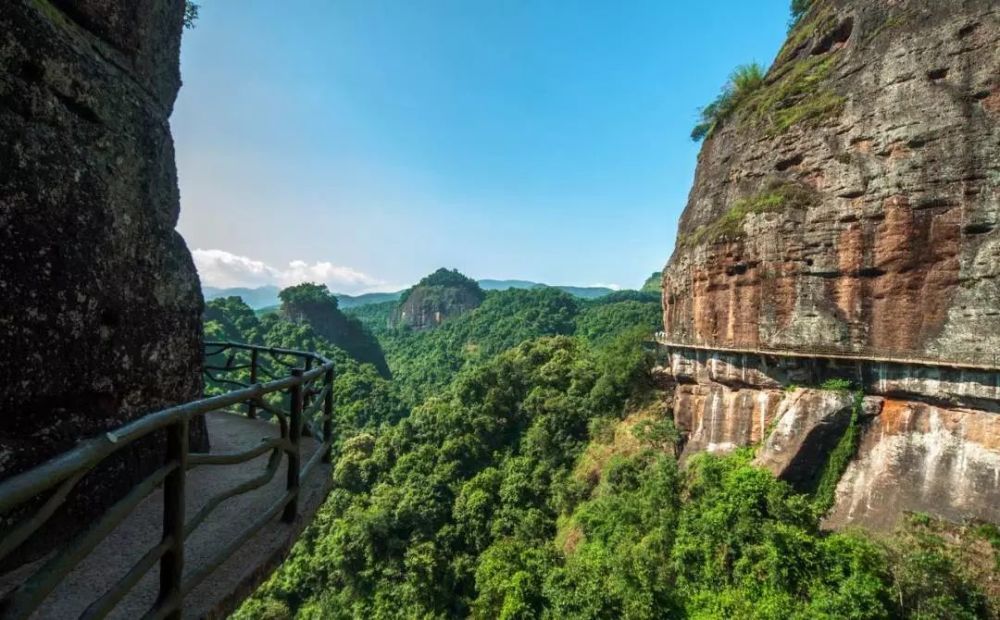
(850, 204)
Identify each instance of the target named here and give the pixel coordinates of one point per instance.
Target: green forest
(518, 461)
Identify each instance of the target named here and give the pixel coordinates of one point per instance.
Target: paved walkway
(232, 581)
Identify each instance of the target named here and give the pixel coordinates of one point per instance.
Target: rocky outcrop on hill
(313, 304)
(440, 296)
(99, 321)
(852, 204)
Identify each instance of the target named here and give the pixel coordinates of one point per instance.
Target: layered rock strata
(851, 205)
(853, 201)
(929, 437)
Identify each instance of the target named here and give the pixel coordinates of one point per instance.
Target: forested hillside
(520, 464)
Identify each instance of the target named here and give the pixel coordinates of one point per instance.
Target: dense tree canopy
(520, 465)
(446, 279)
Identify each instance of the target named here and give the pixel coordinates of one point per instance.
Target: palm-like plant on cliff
(743, 82)
(799, 9)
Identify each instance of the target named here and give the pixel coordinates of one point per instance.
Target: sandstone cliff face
(852, 205)
(99, 321)
(929, 441)
(922, 458)
(854, 201)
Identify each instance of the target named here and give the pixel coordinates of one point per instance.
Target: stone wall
(99, 321)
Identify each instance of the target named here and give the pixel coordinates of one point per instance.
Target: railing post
(307, 389)
(252, 405)
(172, 562)
(328, 417)
(294, 455)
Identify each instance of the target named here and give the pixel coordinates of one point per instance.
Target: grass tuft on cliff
(799, 96)
(743, 82)
(729, 227)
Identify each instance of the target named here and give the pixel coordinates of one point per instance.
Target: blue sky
(364, 143)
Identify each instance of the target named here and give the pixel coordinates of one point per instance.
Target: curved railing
(973, 360)
(297, 401)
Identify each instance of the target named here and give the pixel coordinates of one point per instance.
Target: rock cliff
(437, 297)
(99, 320)
(851, 204)
(313, 304)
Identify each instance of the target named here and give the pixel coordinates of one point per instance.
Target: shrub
(837, 385)
(743, 82)
(836, 464)
(190, 13)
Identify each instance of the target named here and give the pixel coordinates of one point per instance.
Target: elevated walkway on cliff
(235, 577)
(976, 360)
(968, 380)
(202, 531)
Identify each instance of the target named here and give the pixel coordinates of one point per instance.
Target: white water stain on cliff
(926, 463)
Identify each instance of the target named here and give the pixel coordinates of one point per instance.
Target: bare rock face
(807, 428)
(99, 321)
(929, 437)
(717, 418)
(921, 458)
(852, 205)
(437, 297)
(429, 306)
(853, 201)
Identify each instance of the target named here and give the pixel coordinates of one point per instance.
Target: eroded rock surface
(807, 428)
(99, 321)
(921, 458)
(851, 206)
(853, 203)
(439, 296)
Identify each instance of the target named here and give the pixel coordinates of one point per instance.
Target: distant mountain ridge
(267, 296)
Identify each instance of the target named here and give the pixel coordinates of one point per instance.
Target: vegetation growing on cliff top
(794, 94)
(797, 96)
(743, 81)
(446, 278)
(799, 9)
(191, 9)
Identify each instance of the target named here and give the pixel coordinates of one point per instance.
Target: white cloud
(226, 270)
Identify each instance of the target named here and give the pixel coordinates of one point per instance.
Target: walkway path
(232, 581)
(990, 363)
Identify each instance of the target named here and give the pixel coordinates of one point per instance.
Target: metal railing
(307, 392)
(974, 360)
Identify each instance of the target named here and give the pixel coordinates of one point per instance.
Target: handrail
(973, 360)
(59, 475)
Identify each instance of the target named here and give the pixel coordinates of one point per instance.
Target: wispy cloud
(224, 269)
